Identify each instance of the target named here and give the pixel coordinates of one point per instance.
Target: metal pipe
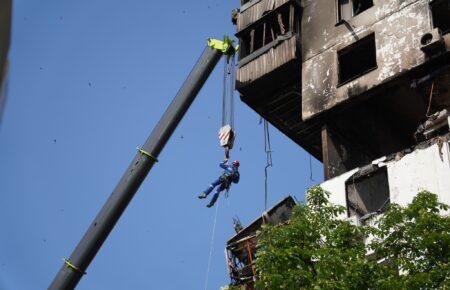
(73, 269)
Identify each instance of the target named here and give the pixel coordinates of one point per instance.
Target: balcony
(269, 55)
(241, 249)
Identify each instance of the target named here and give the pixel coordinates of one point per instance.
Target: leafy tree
(415, 240)
(314, 250)
(318, 250)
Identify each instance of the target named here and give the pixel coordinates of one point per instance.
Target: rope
(224, 92)
(311, 169)
(229, 75)
(232, 75)
(268, 150)
(211, 248)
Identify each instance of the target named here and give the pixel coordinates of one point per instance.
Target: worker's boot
(207, 191)
(213, 200)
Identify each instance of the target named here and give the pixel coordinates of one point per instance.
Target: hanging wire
(229, 77)
(211, 248)
(311, 169)
(430, 100)
(268, 150)
(224, 91)
(232, 76)
(228, 104)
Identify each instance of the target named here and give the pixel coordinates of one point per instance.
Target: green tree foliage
(415, 239)
(319, 250)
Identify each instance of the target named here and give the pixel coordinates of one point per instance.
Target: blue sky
(88, 81)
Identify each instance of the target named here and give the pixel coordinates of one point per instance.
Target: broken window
(368, 192)
(357, 59)
(440, 10)
(351, 8)
(267, 30)
(252, 40)
(360, 6)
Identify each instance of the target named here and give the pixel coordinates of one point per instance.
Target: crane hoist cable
(228, 91)
(232, 79)
(224, 93)
(227, 131)
(229, 73)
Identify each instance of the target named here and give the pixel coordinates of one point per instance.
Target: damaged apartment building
(362, 85)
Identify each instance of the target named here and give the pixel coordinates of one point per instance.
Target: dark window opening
(357, 60)
(267, 31)
(360, 6)
(368, 192)
(257, 39)
(351, 8)
(440, 10)
(244, 44)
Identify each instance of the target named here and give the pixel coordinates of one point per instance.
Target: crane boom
(74, 268)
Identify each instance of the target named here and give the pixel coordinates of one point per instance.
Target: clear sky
(88, 81)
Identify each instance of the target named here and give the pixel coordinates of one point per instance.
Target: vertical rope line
(224, 93)
(265, 189)
(311, 169)
(269, 146)
(211, 248)
(265, 168)
(232, 72)
(268, 150)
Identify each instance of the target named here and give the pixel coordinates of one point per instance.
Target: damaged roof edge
(288, 201)
(381, 162)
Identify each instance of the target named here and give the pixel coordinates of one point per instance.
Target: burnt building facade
(373, 70)
(362, 85)
(269, 67)
(348, 80)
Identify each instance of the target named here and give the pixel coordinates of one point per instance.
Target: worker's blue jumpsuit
(230, 174)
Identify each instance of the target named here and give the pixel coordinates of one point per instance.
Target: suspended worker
(229, 175)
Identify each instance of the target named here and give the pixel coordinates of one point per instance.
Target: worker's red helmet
(236, 163)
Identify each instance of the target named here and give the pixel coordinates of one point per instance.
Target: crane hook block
(226, 136)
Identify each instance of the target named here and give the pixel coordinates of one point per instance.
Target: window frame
(433, 2)
(340, 20)
(291, 24)
(362, 178)
(347, 50)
